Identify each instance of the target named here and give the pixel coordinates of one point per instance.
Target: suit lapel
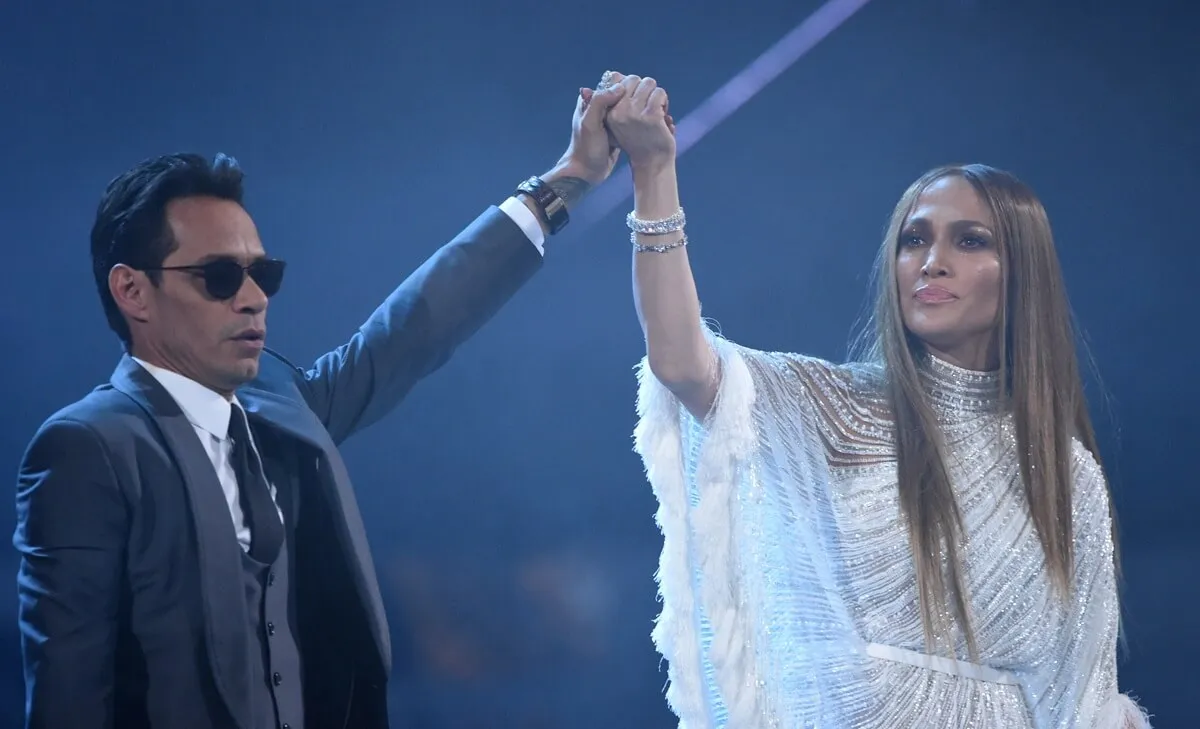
(297, 420)
(217, 547)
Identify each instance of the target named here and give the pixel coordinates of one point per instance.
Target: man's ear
(131, 290)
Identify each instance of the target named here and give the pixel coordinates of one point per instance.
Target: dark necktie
(266, 529)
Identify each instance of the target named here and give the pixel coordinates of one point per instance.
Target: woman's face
(948, 274)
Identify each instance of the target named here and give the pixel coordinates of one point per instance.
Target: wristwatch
(553, 209)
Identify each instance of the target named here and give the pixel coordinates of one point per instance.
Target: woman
(918, 539)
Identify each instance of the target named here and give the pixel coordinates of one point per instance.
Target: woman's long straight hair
(1041, 387)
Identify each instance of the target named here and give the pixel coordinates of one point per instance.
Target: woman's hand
(610, 80)
(639, 122)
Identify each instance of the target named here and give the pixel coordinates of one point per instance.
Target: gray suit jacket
(131, 613)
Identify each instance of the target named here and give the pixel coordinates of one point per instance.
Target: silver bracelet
(656, 227)
(640, 248)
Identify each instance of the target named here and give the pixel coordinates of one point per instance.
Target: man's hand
(591, 156)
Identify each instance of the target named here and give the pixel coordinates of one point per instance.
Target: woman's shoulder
(847, 396)
(854, 379)
(1090, 486)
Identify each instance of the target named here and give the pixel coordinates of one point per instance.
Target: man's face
(216, 342)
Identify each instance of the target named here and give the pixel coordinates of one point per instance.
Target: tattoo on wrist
(571, 189)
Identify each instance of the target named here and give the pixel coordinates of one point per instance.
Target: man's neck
(151, 362)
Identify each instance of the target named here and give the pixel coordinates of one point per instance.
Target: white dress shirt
(209, 414)
(209, 411)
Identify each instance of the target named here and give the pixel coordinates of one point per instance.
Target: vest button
(271, 579)
(270, 628)
(276, 678)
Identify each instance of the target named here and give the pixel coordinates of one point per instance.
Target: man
(192, 554)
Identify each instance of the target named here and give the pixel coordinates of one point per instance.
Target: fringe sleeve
(746, 521)
(664, 431)
(1081, 690)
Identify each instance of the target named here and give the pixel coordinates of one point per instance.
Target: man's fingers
(585, 98)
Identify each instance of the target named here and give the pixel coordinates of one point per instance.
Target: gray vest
(277, 698)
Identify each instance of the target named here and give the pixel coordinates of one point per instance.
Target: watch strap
(551, 207)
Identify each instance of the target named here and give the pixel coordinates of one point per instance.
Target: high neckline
(955, 390)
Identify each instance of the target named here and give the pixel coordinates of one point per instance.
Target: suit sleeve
(419, 326)
(71, 529)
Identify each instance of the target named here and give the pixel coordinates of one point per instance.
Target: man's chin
(242, 371)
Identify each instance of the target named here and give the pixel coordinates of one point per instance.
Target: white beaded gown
(786, 575)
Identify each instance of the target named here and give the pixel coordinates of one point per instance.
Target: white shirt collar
(204, 408)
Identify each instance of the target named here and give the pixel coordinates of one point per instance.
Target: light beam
(728, 99)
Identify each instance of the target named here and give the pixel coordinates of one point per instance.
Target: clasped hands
(639, 122)
(629, 113)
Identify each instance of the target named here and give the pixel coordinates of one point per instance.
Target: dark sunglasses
(223, 278)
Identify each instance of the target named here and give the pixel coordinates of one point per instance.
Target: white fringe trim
(658, 440)
(708, 538)
(1122, 712)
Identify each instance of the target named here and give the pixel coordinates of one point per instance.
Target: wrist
(655, 191)
(545, 203)
(652, 166)
(553, 195)
(570, 181)
(564, 168)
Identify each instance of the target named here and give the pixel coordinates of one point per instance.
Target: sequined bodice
(1010, 597)
(980, 453)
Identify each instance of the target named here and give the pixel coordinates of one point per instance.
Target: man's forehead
(211, 226)
(211, 212)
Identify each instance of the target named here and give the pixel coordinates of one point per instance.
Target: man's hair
(131, 221)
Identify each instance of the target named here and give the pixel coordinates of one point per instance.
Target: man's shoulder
(104, 420)
(105, 411)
